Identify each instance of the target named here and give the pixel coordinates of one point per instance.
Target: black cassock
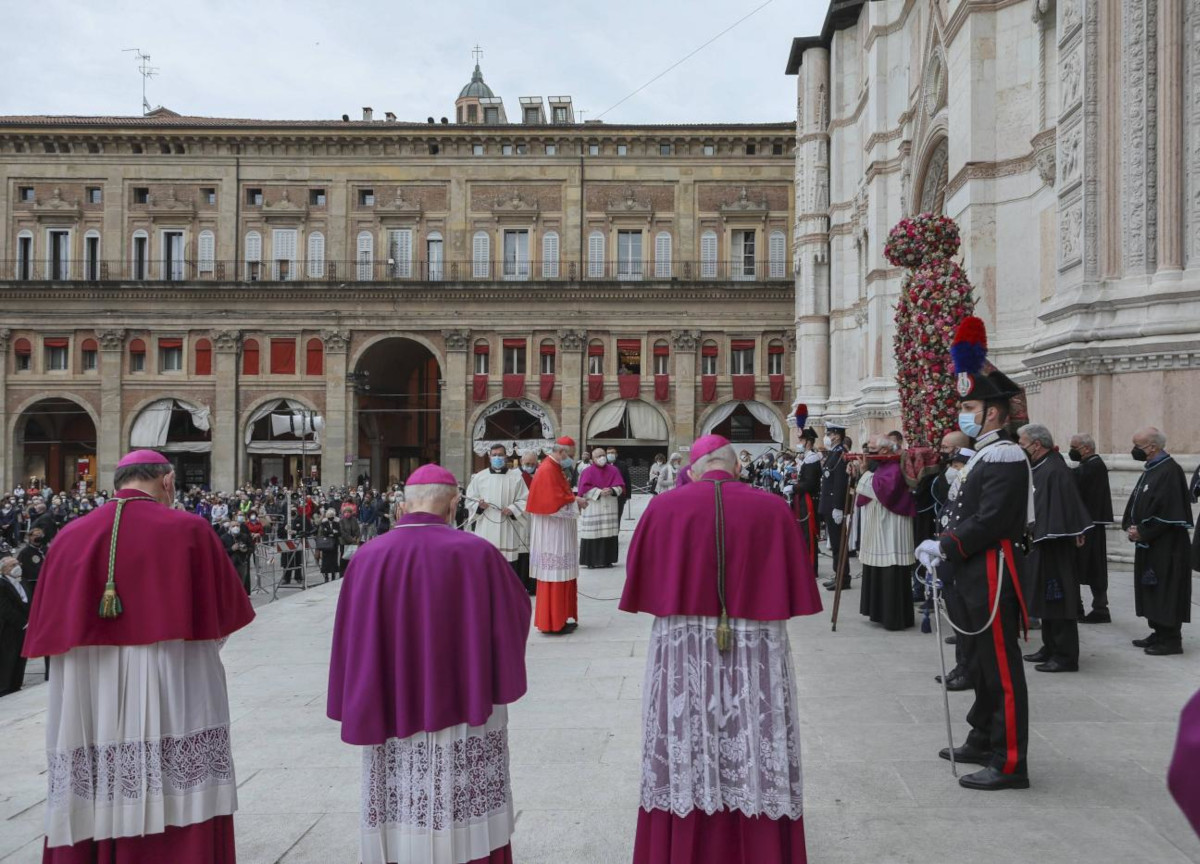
(925, 525)
(14, 613)
(1059, 517)
(1195, 489)
(1161, 508)
(1091, 476)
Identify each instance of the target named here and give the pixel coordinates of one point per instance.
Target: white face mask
(612, 457)
(951, 474)
(601, 461)
(827, 442)
(15, 572)
(233, 530)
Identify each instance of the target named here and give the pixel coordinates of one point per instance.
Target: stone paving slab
(871, 725)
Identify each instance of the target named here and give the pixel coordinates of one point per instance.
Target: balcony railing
(373, 270)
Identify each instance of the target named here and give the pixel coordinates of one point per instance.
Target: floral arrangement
(934, 298)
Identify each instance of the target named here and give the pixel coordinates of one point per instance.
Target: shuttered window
(283, 253)
(708, 255)
(550, 255)
(366, 256)
(481, 250)
(203, 357)
(662, 255)
(253, 256)
(400, 253)
(777, 255)
(316, 255)
(206, 252)
(595, 255)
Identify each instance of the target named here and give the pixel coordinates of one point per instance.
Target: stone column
(226, 444)
(1139, 163)
(6, 453)
(684, 344)
(333, 439)
(1170, 135)
(810, 240)
(109, 445)
(570, 353)
(454, 403)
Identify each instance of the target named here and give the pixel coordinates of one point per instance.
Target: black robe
(14, 614)
(1161, 508)
(925, 525)
(1059, 517)
(1091, 476)
(1195, 488)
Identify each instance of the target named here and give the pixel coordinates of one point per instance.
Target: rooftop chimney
(367, 114)
(391, 118)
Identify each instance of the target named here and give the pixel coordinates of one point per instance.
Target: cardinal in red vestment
(553, 510)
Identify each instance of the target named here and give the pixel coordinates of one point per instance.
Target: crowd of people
(431, 628)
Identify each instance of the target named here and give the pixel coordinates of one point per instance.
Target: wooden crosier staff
(844, 552)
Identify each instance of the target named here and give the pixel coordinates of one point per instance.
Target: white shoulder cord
(932, 582)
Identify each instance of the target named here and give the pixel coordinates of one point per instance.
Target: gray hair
(725, 457)
(887, 442)
(7, 563)
(1037, 434)
(133, 473)
(432, 496)
(1086, 440)
(1156, 437)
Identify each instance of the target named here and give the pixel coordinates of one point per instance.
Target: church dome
(477, 89)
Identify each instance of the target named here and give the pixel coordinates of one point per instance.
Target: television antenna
(147, 71)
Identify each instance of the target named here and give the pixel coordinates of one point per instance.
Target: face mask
(528, 469)
(951, 475)
(826, 442)
(601, 461)
(966, 423)
(241, 518)
(15, 572)
(1074, 455)
(612, 457)
(498, 462)
(568, 462)
(233, 530)
(1138, 454)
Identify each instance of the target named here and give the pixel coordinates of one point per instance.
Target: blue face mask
(568, 462)
(498, 462)
(966, 422)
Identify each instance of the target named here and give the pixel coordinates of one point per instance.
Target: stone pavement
(872, 725)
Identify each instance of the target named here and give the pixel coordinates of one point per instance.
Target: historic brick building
(192, 283)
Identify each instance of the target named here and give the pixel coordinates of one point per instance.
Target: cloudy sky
(316, 59)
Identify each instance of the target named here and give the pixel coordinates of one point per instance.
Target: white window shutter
(316, 255)
(206, 252)
(283, 249)
(662, 255)
(253, 255)
(366, 256)
(550, 255)
(480, 253)
(708, 255)
(776, 254)
(400, 251)
(595, 255)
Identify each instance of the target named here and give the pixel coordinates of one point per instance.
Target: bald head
(952, 442)
(1151, 440)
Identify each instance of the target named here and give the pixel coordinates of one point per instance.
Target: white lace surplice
(137, 738)
(554, 545)
(438, 797)
(720, 728)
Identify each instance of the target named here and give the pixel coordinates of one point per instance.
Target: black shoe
(990, 780)
(1057, 665)
(959, 683)
(570, 627)
(1039, 656)
(1164, 649)
(1097, 616)
(1152, 639)
(828, 584)
(952, 640)
(966, 754)
(832, 586)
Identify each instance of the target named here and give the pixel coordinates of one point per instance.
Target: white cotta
(720, 728)
(438, 797)
(887, 538)
(499, 491)
(602, 518)
(554, 545)
(137, 738)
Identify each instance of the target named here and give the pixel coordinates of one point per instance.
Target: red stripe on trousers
(1007, 546)
(1010, 702)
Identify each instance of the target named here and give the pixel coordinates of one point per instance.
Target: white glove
(929, 554)
(787, 490)
(838, 516)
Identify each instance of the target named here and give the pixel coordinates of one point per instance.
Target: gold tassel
(110, 603)
(724, 634)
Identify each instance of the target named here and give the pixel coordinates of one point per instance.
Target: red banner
(479, 388)
(595, 388)
(708, 388)
(662, 388)
(547, 390)
(743, 387)
(776, 387)
(513, 386)
(629, 386)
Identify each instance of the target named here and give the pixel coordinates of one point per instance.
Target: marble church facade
(1064, 138)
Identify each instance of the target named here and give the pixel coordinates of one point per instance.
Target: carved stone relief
(112, 339)
(457, 340)
(1070, 234)
(1139, 139)
(685, 340)
(1070, 156)
(1070, 91)
(1069, 17)
(572, 340)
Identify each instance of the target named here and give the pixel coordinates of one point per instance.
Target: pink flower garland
(934, 298)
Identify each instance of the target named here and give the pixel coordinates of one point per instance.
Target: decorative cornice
(1044, 156)
(990, 171)
(457, 339)
(336, 341)
(1092, 364)
(226, 341)
(971, 7)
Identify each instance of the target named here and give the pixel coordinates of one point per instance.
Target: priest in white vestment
(885, 511)
(496, 500)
